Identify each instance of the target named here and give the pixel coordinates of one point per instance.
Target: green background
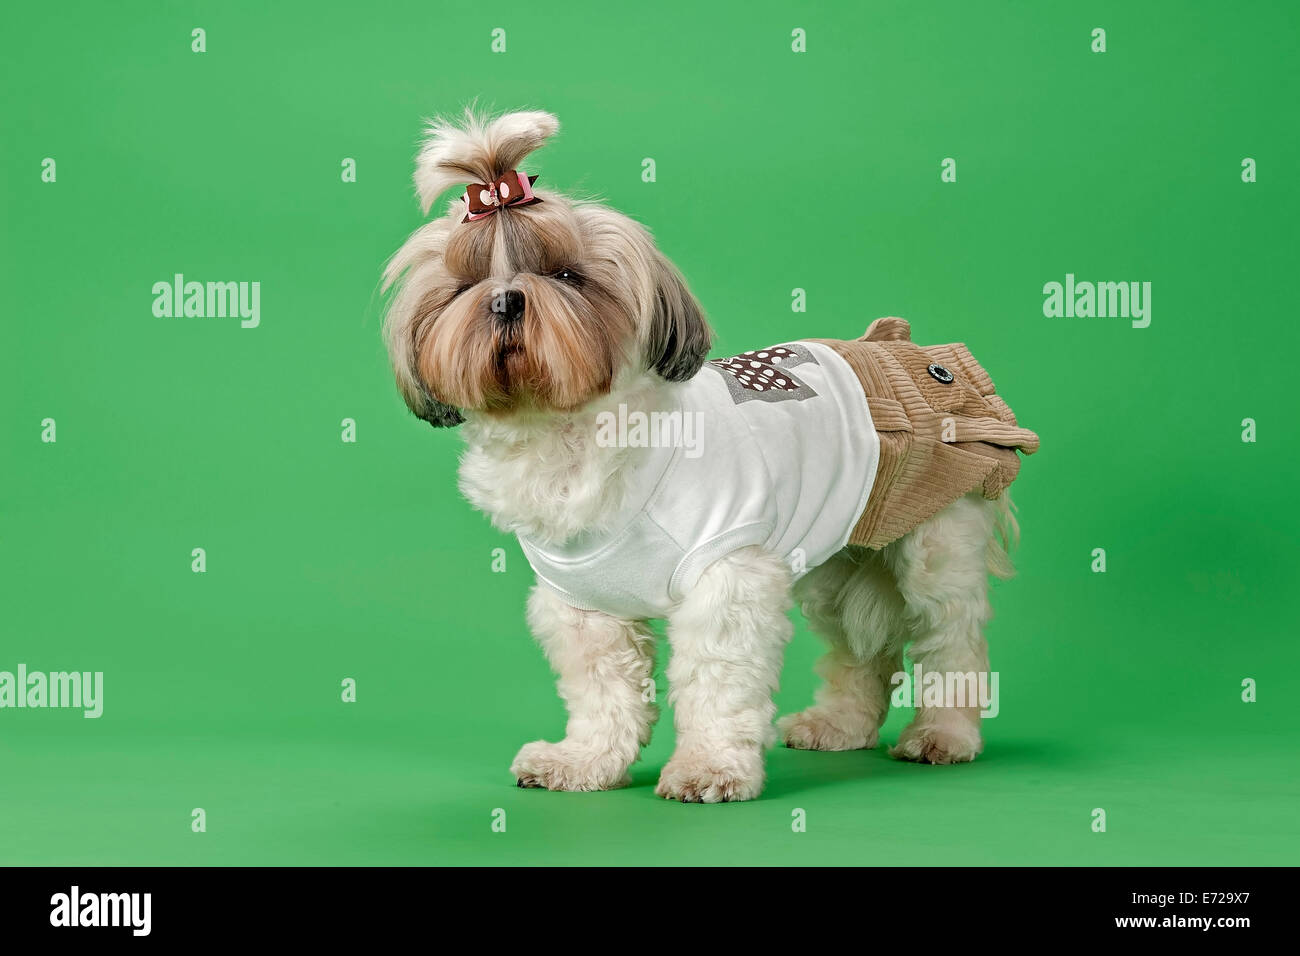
(328, 560)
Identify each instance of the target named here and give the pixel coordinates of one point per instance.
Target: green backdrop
(328, 560)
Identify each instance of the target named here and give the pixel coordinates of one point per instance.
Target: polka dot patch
(757, 369)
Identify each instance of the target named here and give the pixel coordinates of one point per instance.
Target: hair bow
(513, 188)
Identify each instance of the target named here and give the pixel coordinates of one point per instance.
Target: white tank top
(774, 447)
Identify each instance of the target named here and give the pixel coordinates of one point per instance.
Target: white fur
(545, 476)
(604, 667)
(728, 639)
(539, 471)
(930, 588)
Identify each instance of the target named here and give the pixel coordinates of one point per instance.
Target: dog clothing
(799, 448)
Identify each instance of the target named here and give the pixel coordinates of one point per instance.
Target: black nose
(510, 307)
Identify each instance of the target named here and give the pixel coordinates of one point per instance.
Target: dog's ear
(674, 336)
(417, 397)
(402, 319)
(679, 337)
(436, 413)
(415, 393)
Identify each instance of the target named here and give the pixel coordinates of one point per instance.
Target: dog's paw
(702, 778)
(566, 766)
(818, 728)
(954, 741)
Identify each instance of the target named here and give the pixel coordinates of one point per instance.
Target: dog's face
(539, 306)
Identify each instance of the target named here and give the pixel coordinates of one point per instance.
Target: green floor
(243, 719)
(306, 800)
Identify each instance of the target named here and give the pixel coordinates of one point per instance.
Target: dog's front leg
(728, 639)
(604, 665)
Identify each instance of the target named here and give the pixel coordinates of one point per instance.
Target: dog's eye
(464, 288)
(567, 275)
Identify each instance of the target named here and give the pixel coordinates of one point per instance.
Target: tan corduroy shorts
(943, 429)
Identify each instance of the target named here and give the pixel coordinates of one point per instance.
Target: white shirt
(783, 455)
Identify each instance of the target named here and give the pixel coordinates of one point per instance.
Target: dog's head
(520, 298)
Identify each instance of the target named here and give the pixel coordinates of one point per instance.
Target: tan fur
(598, 295)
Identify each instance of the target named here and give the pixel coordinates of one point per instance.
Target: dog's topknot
(479, 148)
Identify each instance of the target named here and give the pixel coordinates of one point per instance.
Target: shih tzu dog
(865, 479)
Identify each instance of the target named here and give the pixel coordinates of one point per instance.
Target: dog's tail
(478, 148)
(1004, 539)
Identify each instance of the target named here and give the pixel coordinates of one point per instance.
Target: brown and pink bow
(513, 188)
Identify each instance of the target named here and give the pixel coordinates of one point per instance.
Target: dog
(575, 356)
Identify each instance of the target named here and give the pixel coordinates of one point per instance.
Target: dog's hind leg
(853, 604)
(942, 568)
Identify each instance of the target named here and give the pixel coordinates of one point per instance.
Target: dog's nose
(511, 306)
